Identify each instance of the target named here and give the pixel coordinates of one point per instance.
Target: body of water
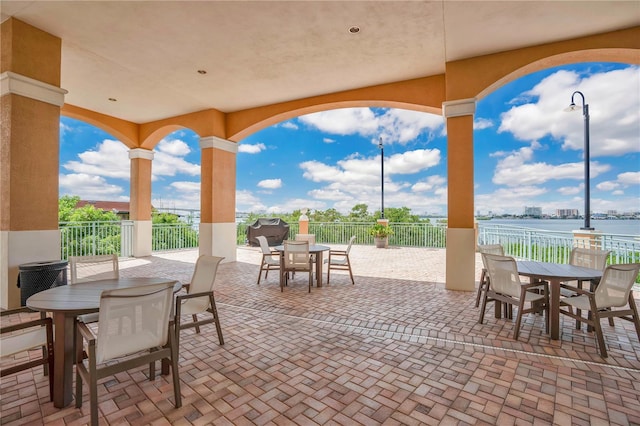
(609, 226)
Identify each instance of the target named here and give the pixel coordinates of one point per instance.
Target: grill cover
(275, 230)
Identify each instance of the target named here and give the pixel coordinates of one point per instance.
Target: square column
(29, 151)
(218, 198)
(140, 201)
(461, 237)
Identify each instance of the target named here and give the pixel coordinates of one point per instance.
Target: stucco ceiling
(146, 54)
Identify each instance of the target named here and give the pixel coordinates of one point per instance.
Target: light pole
(587, 191)
(381, 146)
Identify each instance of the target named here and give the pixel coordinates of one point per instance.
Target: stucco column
(140, 200)
(218, 198)
(460, 270)
(30, 103)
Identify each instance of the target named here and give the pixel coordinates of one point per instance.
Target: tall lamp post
(381, 146)
(587, 191)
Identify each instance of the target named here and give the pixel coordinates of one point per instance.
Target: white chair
(133, 320)
(92, 268)
(339, 259)
(310, 238)
(199, 298)
(611, 298)
(506, 287)
(589, 258)
(484, 278)
(19, 337)
(296, 259)
(270, 258)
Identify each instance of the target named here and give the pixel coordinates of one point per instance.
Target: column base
(218, 239)
(461, 259)
(142, 238)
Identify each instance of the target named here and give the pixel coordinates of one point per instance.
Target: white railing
(555, 246)
(174, 236)
(91, 238)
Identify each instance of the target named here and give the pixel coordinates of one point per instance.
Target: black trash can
(35, 277)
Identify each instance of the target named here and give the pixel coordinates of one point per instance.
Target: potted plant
(380, 234)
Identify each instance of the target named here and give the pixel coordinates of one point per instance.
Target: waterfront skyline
(528, 152)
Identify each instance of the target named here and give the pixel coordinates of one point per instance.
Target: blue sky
(528, 152)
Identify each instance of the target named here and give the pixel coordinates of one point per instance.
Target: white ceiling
(146, 53)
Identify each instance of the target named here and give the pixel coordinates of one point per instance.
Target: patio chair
(19, 337)
(484, 278)
(588, 258)
(311, 238)
(270, 258)
(296, 259)
(506, 287)
(92, 268)
(339, 259)
(135, 323)
(199, 298)
(611, 298)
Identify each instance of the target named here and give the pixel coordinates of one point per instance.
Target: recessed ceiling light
(202, 71)
(113, 100)
(354, 30)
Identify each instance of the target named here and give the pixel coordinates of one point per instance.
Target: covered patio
(395, 348)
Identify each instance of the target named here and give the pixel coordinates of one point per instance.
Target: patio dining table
(67, 303)
(555, 273)
(314, 249)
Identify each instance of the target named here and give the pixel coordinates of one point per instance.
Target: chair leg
(480, 287)
(174, 368)
(516, 332)
(195, 319)
(483, 307)
(260, 274)
(634, 317)
(350, 274)
(329, 273)
(216, 318)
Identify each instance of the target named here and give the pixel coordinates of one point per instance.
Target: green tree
(360, 213)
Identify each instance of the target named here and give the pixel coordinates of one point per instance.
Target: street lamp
(381, 146)
(587, 196)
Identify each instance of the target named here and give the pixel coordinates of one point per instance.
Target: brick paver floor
(395, 348)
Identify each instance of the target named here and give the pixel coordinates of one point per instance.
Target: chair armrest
(28, 324)
(576, 289)
(182, 297)
(86, 333)
(337, 252)
(23, 309)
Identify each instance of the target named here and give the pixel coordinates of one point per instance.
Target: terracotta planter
(381, 242)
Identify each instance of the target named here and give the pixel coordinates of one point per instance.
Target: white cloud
(246, 201)
(270, 183)
(90, 187)
(607, 186)
(165, 164)
(111, 159)
(345, 121)
(482, 123)
(629, 178)
(393, 125)
(430, 184)
(289, 125)
(517, 168)
(175, 147)
(328, 140)
(570, 190)
(614, 113)
(251, 149)
(193, 187)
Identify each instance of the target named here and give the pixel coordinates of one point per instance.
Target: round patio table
(67, 303)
